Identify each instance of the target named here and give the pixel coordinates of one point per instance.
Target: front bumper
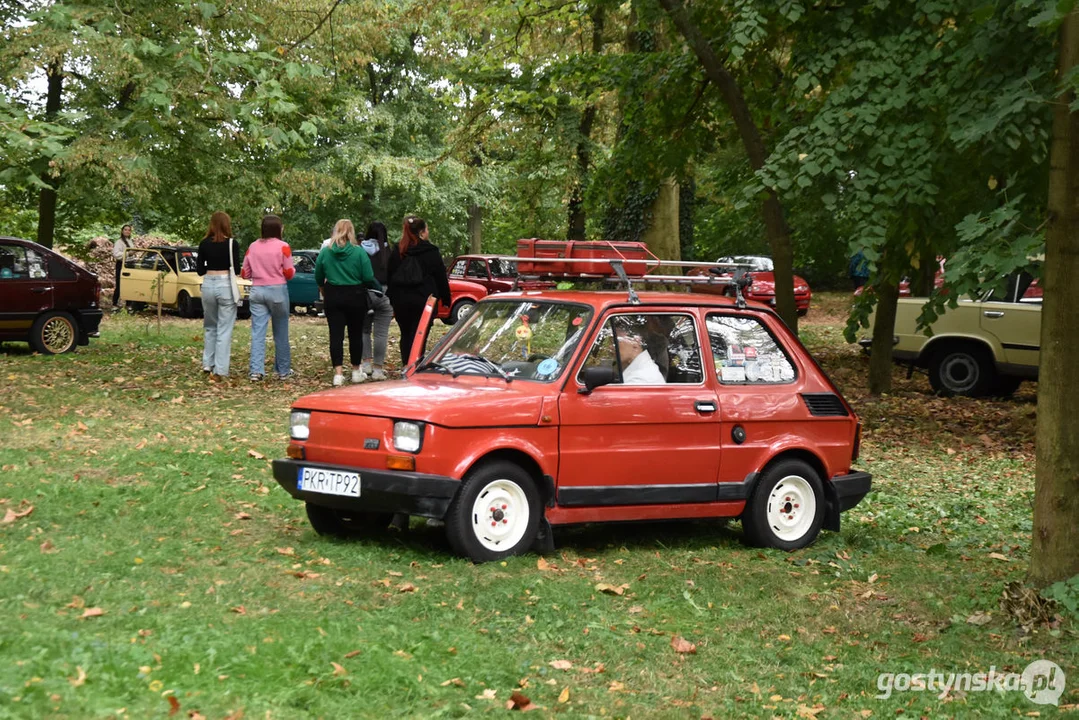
(380, 490)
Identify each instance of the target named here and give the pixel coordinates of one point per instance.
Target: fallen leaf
(561, 664)
(542, 564)
(563, 697)
(286, 551)
(394, 573)
(48, 547)
(406, 588)
(80, 679)
(979, 618)
(611, 589)
(402, 654)
(174, 704)
(239, 610)
(242, 516)
(11, 516)
(338, 669)
(488, 694)
(93, 612)
(616, 686)
(520, 701)
(681, 645)
(872, 578)
(998, 556)
(784, 638)
(809, 713)
(636, 609)
(352, 654)
(256, 454)
(458, 682)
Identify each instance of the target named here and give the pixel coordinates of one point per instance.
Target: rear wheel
(54, 333)
(134, 306)
(786, 509)
(343, 523)
(962, 370)
(460, 311)
(1006, 385)
(495, 514)
(186, 305)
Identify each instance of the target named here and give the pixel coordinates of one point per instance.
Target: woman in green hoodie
(343, 271)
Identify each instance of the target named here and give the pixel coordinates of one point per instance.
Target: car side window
(477, 269)
(649, 349)
(745, 352)
(22, 263)
(133, 259)
(458, 268)
(303, 264)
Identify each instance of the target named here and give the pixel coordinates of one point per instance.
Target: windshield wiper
(439, 367)
(492, 364)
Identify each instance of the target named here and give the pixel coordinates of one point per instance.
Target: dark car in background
(46, 299)
(302, 290)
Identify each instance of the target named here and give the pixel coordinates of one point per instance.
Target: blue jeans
(379, 321)
(218, 317)
(269, 303)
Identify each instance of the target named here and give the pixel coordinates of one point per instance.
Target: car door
(1018, 326)
(754, 374)
(302, 289)
(652, 443)
(477, 272)
(137, 274)
(25, 288)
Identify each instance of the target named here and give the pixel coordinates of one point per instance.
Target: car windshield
(755, 263)
(503, 268)
(515, 339)
(187, 261)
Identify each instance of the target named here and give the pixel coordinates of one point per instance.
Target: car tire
(1006, 385)
(134, 306)
(786, 508)
(962, 369)
(495, 514)
(340, 523)
(803, 313)
(54, 333)
(185, 304)
(460, 311)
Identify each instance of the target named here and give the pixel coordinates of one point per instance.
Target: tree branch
(316, 28)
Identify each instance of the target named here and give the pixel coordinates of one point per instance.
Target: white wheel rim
(792, 506)
(500, 515)
(959, 372)
(463, 311)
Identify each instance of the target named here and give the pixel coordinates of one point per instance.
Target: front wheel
(54, 333)
(342, 523)
(786, 509)
(460, 311)
(962, 370)
(495, 514)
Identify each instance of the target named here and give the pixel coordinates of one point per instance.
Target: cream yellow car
(168, 272)
(985, 346)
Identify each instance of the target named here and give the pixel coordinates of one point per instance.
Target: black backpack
(409, 273)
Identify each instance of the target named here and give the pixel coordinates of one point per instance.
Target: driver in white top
(638, 368)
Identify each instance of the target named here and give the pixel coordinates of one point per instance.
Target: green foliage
(1065, 592)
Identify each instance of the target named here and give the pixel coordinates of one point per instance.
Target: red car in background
(46, 299)
(763, 289)
(463, 297)
(1033, 292)
(494, 272)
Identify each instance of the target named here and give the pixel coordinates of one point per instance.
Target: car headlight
(801, 288)
(298, 425)
(407, 436)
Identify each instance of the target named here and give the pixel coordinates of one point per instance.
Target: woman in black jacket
(415, 271)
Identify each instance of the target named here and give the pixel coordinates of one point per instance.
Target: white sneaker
(365, 366)
(378, 374)
(359, 376)
(338, 380)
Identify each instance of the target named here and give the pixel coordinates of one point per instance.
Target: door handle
(40, 290)
(126, 274)
(705, 406)
(993, 313)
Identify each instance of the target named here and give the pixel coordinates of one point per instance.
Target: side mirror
(594, 377)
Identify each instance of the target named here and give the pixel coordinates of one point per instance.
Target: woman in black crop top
(218, 303)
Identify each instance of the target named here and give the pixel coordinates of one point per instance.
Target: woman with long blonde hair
(343, 271)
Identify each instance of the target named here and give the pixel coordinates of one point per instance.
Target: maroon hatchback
(45, 299)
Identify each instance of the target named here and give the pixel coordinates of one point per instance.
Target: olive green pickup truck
(982, 347)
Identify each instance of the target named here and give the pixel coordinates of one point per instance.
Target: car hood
(438, 399)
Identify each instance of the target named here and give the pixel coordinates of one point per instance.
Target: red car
(463, 296)
(46, 299)
(763, 289)
(543, 409)
(494, 272)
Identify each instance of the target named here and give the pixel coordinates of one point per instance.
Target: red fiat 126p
(549, 408)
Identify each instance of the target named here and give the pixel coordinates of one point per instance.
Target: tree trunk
(576, 229)
(880, 360)
(46, 206)
(475, 229)
(779, 239)
(1055, 552)
(922, 281)
(661, 237)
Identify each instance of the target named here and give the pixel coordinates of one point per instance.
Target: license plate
(328, 482)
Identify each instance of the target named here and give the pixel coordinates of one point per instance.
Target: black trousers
(116, 287)
(345, 307)
(408, 316)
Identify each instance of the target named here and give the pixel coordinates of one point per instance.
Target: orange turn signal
(295, 451)
(400, 462)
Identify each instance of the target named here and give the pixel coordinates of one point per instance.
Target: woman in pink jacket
(268, 265)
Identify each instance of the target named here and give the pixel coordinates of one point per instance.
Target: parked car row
(761, 271)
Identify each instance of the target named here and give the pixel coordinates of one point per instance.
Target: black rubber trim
(851, 488)
(1019, 346)
(602, 495)
(733, 491)
(380, 490)
(825, 404)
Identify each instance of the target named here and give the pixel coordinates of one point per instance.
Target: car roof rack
(584, 269)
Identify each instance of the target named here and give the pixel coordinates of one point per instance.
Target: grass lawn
(163, 571)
